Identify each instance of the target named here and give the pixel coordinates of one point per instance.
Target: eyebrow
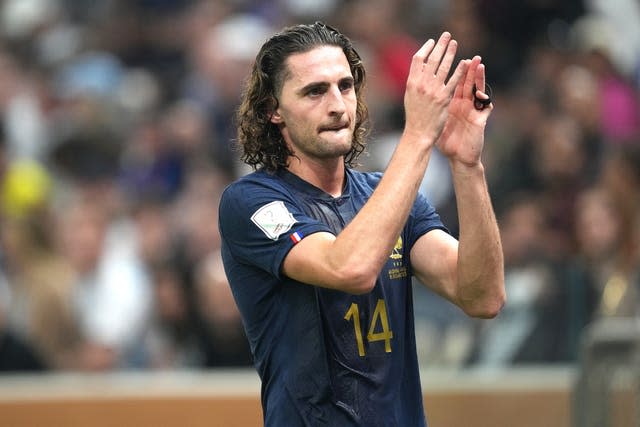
(314, 85)
(323, 85)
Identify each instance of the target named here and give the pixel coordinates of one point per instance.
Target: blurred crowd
(116, 140)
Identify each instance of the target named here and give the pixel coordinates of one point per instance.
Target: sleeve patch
(296, 237)
(273, 219)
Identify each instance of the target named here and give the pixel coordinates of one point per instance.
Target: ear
(276, 118)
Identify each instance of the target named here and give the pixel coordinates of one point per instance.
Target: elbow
(356, 281)
(486, 307)
(487, 310)
(362, 288)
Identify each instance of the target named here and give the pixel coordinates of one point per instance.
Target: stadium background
(116, 123)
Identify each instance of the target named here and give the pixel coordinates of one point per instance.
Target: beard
(327, 144)
(322, 150)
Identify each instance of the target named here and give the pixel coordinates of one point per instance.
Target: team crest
(273, 219)
(396, 253)
(398, 270)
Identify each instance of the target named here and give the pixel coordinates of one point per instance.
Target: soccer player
(320, 256)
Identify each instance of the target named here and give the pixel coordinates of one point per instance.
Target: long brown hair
(261, 141)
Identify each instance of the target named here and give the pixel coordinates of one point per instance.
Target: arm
(352, 260)
(470, 273)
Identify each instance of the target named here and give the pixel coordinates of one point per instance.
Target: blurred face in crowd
(559, 150)
(317, 104)
(577, 89)
(521, 229)
(598, 224)
(82, 230)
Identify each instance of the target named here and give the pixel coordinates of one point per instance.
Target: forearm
(370, 237)
(480, 265)
(365, 244)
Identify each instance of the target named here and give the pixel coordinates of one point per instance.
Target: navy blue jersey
(325, 357)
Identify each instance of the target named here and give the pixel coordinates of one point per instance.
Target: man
(320, 256)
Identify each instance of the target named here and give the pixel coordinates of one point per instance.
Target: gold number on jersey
(379, 316)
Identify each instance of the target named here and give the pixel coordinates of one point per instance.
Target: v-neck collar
(310, 189)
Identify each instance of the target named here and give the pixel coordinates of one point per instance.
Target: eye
(346, 85)
(315, 91)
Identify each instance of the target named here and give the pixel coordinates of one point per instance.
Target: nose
(336, 103)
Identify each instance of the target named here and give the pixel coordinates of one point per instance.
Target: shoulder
(254, 188)
(259, 193)
(255, 181)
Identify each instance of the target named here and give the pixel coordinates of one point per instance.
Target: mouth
(335, 127)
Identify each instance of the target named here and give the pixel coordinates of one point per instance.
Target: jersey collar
(310, 189)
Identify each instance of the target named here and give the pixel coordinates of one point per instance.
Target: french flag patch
(296, 237)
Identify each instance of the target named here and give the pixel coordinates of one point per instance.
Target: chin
(334, 152)
(343, 149)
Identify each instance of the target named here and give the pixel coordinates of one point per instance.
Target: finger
(449, 56)
(459, 87)
(435, 57)
(470, 79)
(480, 80)
(481, 90)
(421, 55)
(454, 83)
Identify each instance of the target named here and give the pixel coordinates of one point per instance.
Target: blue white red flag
(296, 237)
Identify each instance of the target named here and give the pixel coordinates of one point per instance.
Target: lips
(336, 127)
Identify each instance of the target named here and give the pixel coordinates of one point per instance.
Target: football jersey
(325, 357)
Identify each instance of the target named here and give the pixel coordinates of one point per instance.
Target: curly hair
(261, 141)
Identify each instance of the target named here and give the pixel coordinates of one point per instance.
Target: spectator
(111, 291)
(526, 330)
(173, 341)
(15, 354)
(224, 340)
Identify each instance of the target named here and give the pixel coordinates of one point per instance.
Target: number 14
(379, 314)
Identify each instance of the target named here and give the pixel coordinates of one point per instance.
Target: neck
(326, 174)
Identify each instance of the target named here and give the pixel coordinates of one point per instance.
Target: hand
(462, 138)
(428, 94)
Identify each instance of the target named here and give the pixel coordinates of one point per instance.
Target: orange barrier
(231, 399)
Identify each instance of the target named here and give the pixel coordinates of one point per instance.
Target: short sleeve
(423, 218)
(259, 224)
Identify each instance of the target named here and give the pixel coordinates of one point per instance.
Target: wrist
(417, 139)
(466, 169)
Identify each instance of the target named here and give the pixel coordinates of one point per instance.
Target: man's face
(317, 104)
